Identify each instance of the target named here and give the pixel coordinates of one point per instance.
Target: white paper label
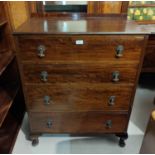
(79, 42)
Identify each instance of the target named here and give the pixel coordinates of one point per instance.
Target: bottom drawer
(81, 122)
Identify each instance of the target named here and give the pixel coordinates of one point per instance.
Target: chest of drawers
(79, 83)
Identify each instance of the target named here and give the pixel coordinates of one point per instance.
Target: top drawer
(80, 47)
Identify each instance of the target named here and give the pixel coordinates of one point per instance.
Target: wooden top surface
(82, 25)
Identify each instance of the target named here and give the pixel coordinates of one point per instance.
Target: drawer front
(90, 72)
(88, 122)
(78, 97)
(80, 48)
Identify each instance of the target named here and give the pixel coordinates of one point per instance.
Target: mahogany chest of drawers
(78, 83)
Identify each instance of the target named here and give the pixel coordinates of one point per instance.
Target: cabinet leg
(34, 139)
(35, 142)
(122, 139)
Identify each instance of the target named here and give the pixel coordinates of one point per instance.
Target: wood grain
(18, 12)
(95, 7)
(78, 97)
(77, 24)
(95, 48)
(80, 72)
(112, 7)
(86, 122)
(11, 108)
(79, 76)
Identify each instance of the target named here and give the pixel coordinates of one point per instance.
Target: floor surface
(51, 144)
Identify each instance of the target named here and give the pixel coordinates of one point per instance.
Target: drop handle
(47, 100)
(108, 124)
(115, 76)
(41, 51)
(119, 51)
(44, 76)
(49, 123)
(112, 100)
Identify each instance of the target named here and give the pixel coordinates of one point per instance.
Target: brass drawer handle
(119, 51)
(108, 124)
(112, 100)
(41, 51)
(49, 123)
(44, 76)
(47, 100)
(115, 76)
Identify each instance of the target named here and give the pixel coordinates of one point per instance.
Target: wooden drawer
(88, 122)
(78, 97)
(80, 72)
(94, 48)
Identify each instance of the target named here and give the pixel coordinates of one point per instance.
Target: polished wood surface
(94, 48)
(74, 81)
(80, 72)
(18, 12)
(112, 7)
(149, 63)
(10, 115)
(82, 25)
(79, 97)
(95, 7)
(86, 122)
(124, 7)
